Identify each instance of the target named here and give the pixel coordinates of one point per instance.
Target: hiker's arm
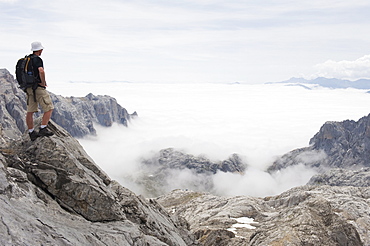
(42, 76)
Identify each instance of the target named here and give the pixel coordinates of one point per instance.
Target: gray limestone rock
(211, 218)
(337, 145)
(342, 177)
(79, 114)
(159, 171)
(307, 215)
(346, 143)
(12, 106)
(52, 193)
(174, 159)
(75, 114)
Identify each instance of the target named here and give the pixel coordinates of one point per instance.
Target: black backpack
(24, 73)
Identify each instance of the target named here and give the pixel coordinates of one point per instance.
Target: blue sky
(189, 41)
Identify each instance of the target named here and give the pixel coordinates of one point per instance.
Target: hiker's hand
(43, 84)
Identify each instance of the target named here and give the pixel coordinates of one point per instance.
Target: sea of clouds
(257, 121)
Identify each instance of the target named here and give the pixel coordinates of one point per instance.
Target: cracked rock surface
(306, 215)
(52, 193)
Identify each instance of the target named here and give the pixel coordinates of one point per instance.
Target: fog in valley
(259, 122)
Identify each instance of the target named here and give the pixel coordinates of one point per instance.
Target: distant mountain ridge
(329, 83)
(343, 144)
(75, 114)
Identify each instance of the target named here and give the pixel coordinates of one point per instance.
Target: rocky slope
(158, 171)
(52, 193)
(308, 215)
(337, 145)
(76, 114)
(343, 177)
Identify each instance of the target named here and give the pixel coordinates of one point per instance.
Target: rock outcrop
(79, 114)
(52, 193)
(12, 106)
(337, 145)
(308, 215)
(76, 114)
(159, 171)
(175, 159)
(343, 177)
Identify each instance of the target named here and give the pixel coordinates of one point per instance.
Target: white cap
(36, 46)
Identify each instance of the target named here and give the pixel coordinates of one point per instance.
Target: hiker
(41, 96)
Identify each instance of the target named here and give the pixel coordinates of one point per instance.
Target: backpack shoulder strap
(34, 87)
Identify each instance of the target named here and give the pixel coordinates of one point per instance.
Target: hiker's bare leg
(46, 117)
(29, 120)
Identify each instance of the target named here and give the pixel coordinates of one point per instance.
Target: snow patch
(243, 222)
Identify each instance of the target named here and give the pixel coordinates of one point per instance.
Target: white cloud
(351, 70)
(207, 41)
(256, 182)
(258, 122)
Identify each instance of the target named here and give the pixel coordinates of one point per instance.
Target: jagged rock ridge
(51, 192)
(337, 145)
(76, 114)
(175, 159)
(158, 171)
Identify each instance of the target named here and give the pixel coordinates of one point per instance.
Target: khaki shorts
(42, 98)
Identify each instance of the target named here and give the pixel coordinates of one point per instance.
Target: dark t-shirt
(37, 62)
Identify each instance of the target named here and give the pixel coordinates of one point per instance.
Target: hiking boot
(33, 135)
(44, 132)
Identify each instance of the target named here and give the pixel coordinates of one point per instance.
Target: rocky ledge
(52, 193)
(75, 114)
